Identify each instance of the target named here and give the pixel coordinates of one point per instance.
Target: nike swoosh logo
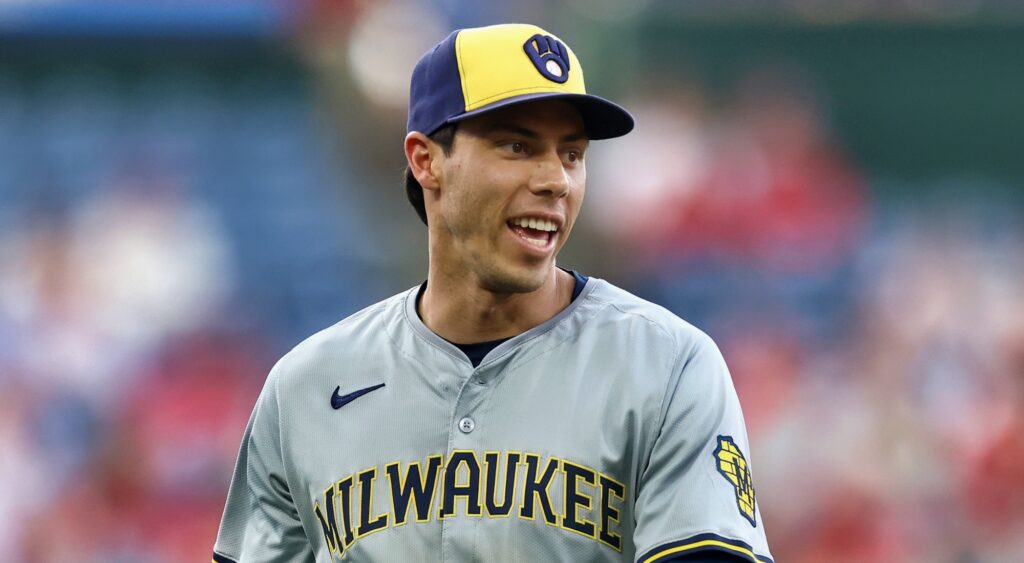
(338, 401)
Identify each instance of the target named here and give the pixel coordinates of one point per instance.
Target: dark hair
(445, 137)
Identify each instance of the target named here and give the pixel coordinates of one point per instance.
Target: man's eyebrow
(531, 134)
(573, 137)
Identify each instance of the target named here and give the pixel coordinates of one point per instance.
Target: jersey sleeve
(260, 521)
(696, 493)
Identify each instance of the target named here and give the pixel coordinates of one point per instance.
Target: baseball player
(505, 409)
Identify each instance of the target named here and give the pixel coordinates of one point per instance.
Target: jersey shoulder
(625, 309)
(362, 332)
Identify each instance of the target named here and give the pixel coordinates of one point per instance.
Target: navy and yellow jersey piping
(702, 542)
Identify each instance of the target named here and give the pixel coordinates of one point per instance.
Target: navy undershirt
(476, 351)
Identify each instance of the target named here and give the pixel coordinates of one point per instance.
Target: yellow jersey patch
(733, 466)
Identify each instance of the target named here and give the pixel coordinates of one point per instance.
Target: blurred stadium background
(833, 189)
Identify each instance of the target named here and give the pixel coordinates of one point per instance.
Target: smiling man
(500, 206)
(505, 409)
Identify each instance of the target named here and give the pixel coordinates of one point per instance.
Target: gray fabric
(612, 390)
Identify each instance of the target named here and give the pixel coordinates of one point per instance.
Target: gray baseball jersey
(611, 432)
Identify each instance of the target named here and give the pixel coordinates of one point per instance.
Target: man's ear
(421, 152)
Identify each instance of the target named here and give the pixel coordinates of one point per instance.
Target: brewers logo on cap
(481, 69)
(550, 56)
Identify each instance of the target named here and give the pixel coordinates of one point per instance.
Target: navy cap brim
(602, 119)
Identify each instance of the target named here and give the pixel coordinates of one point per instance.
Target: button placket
(465, 416)
(472, 394)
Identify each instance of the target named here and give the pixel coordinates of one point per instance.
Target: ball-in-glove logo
(550, 56)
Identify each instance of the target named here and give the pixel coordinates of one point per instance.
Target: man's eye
(573, 156)
(517, 147)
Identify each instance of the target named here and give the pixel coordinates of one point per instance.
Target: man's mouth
(538, 232)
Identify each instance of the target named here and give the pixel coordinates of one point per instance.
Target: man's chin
(514, 282)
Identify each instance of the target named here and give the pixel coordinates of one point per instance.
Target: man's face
(509, 194)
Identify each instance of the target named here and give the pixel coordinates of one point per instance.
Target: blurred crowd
(164, 236)
(121, 398)
(877, 344)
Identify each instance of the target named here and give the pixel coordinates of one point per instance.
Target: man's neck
(460, 311)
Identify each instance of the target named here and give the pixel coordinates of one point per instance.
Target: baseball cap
(477, 70)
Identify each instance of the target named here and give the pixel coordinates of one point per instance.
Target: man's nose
(550, 178)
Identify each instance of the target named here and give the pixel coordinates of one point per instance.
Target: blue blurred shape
(112, 18)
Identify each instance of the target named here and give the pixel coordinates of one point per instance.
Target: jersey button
(466, 425)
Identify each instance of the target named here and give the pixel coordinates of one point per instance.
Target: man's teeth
(538, 224)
